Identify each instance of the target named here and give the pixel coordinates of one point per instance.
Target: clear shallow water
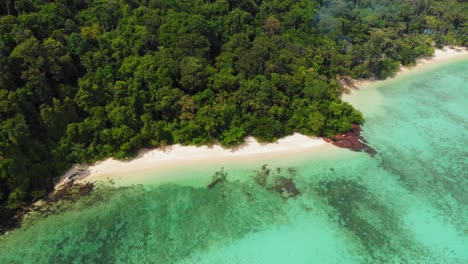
(409, 204)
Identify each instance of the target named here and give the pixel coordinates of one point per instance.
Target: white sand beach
(175, 156)
(440, 56)
(362, 93)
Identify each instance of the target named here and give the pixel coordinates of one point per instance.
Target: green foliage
(84, 80)
(15, 198)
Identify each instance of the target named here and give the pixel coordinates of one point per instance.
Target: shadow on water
(374, 224)
(439, 181)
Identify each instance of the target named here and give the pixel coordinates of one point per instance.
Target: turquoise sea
(408, 204)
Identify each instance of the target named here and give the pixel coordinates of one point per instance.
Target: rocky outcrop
(218, 178)
(352, 140)
(70, 190)
(347, 83)
(10, 218)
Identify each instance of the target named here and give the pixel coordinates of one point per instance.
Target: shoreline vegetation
(81, 81)
(447, 54)
(80, 179)
(177, 155)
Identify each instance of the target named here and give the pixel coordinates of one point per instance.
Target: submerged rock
(286, 187)
(218, 177)
(273, 180)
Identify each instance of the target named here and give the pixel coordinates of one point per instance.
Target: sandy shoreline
(364, 95)
(177, 156)
(440, 56)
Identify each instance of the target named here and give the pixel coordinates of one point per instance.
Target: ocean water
(408, 204)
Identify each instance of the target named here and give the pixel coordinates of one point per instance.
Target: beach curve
(174, 156)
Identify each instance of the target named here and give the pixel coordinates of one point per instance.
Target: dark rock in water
(10, 219)
(352, 140)
(274, 180)
(286, 187)
(218, 177)
(213, 183)
(70, 191)
(262, 175)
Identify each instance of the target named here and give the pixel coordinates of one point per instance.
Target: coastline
(440, 56)
(177, 156)
(362, 92)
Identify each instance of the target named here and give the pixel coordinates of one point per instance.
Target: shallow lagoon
(408, 204)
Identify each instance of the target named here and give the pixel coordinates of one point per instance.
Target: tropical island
(81, 81)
